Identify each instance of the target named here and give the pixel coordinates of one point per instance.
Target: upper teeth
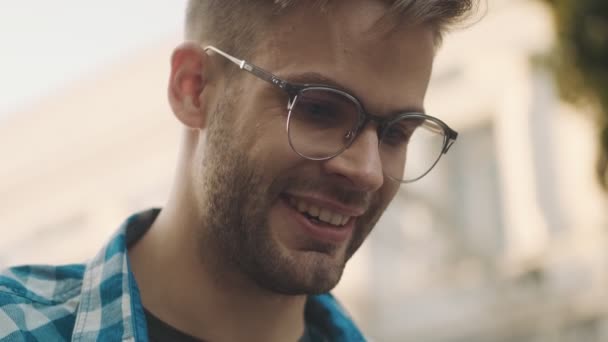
(322, 214)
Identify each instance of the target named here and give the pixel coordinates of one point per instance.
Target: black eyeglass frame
(293, 90)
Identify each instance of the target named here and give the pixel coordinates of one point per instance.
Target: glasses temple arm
(259, 72)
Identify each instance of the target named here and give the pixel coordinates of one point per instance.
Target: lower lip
(322, 231)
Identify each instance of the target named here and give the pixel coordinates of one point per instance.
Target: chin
(312, 273)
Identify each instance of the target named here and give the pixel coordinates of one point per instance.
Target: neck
(201, 297)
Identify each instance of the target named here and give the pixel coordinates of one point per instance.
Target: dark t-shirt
(159, 331)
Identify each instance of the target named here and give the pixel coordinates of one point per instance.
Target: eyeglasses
(323, 121)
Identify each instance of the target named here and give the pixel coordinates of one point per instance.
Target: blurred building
(504, 241)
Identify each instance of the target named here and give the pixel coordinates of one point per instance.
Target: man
(297, 122)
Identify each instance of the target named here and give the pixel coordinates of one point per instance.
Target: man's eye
(319, 112)
(397, 135)
(317, 109)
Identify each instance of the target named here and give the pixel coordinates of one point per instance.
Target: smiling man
(301, 121)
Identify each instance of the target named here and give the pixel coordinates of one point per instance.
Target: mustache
(328, 189)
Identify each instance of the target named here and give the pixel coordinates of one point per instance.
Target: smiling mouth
(317, 214)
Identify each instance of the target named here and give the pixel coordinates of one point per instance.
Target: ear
(189, 70)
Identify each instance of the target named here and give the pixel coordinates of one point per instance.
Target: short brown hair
(236, 25)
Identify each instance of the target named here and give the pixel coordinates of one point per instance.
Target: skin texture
(226, 243)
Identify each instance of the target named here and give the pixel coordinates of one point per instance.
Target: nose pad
(349, 136)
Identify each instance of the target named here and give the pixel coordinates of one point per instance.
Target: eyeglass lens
(322, 122)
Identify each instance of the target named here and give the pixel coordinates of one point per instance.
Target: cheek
(269, 149)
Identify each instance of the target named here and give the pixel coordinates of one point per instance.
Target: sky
(47, 44)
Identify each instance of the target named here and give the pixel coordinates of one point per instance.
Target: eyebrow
(314, 78)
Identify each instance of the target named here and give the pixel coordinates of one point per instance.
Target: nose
(360, 164)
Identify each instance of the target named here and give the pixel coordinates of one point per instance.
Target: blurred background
(506, 240)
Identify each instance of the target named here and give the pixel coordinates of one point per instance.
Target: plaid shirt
(100, 301)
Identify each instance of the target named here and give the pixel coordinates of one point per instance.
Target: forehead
(386, 69)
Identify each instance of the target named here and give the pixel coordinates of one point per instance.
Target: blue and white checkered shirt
(100, 301)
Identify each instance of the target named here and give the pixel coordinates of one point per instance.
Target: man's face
(288, 223)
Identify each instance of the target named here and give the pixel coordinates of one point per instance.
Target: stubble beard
(235, 202)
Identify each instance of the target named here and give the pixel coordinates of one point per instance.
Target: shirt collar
(110, 306)
(111, 309)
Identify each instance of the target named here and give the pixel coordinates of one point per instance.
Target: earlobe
(187, 84)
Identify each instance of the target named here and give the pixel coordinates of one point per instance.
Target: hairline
(244, 43)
